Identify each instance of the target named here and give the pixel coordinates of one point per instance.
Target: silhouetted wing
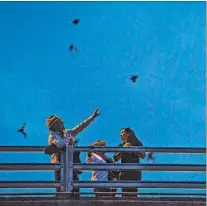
(75, 21)
(133, 78)
(25, 134)
(76, 49)
(23, 126)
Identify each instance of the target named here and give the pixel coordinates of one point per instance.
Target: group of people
(59, 137)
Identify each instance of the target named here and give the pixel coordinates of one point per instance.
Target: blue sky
(164, 43)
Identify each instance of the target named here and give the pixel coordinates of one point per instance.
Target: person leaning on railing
(98, 175)
(129, 138)
(59, 136)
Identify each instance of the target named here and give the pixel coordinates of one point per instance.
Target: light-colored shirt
(60, 142)
(97, 175)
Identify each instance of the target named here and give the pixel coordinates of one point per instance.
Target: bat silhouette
(73, 48)
(21, 130)
(133, 78)
(75, 21)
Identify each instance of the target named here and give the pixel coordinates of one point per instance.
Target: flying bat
(133, 78)
(21, 130)
(75, 21)
(72, 48)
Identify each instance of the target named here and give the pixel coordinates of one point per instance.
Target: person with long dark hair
(129, 138)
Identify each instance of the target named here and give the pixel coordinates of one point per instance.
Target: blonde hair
(99, 143)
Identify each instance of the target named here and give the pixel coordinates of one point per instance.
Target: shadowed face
(57, 126)
(124, 135)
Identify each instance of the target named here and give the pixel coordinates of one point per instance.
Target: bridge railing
(67, 167)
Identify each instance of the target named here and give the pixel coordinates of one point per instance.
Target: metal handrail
(180, 150)
(91, 193)
(108, 184)
(67, 166)
(29, 184)
(142, 167)
(22, 148)
(108, 166)
(141, 184)
(29, 166)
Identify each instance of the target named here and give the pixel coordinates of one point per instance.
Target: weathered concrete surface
(90, 202)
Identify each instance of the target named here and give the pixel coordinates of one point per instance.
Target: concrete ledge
(104, 202)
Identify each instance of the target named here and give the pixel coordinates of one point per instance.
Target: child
(98, 175)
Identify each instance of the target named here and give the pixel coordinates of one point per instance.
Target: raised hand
(150, 156)
(96, 113)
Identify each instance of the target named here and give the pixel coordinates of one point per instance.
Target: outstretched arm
(91, 158)
(141, 155)
(76, 130)
(117, 156)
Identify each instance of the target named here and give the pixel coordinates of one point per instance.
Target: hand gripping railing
(67, 166)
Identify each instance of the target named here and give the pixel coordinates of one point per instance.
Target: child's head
(99, 143)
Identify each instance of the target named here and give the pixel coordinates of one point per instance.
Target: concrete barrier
(104, 202)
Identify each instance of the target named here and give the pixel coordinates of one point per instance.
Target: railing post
(68, 171)
(70, 168)
(62, 171)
